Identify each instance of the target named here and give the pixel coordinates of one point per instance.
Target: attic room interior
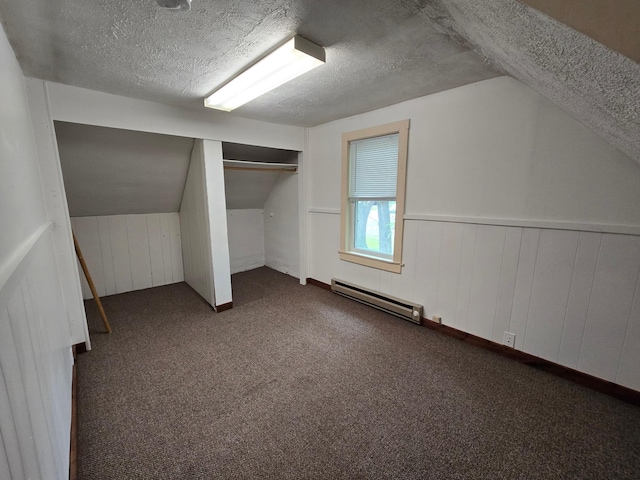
(472, 167)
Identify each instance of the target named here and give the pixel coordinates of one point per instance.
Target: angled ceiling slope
(595, 84)
(108, 171)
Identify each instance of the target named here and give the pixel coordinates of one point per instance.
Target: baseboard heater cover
(394, 306)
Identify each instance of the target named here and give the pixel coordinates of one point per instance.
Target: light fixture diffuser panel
(293, 58)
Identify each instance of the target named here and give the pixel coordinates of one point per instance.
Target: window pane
(374, 226)
(373, 167)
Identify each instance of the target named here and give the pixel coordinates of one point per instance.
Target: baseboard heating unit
(394, 306)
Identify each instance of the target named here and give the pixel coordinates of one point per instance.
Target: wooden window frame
(346, 222)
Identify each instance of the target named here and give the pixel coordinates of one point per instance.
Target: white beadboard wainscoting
(129, 252)
(36, 362)
(571, 297)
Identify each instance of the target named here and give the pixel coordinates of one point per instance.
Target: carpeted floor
(296, 382)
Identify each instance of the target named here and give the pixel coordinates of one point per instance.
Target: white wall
(129, 252)
(217, 208)
(494, 150)
(35, 336)
(486, 160)
(203, 223)
(281, 233)
(57, 208)
(246, 239)
(194, 227)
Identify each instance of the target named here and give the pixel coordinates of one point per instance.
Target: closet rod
(257, 169)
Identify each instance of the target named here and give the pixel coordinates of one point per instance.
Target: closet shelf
(259, 166)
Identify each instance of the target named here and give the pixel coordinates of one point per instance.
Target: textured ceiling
(379, 52)
(595, 84)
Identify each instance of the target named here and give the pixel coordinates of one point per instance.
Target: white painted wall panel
(550, 293)
(107, 256)
(138, 240)
(57, 208)
(19, 320)
(177, 268)
(466, 274)
(167, 252)
(14, 423)
(217, 220)
(129, 252)
(429, 239)
(246, 239)
(614, 287)
(506, 289)
(198, 265)
(524, 283)
(449, 271)
(122, 259)
(629, 368)
(5, 471)
(203, 225)
(584, 272)
(486, 280)
(87, 234)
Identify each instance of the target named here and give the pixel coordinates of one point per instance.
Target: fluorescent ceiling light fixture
(290, 60)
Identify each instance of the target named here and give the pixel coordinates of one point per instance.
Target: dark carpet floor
(296, 382)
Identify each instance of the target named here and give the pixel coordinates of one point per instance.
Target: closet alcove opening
(124, 190)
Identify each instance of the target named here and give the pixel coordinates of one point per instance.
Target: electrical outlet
(437, 319)
(509, 339)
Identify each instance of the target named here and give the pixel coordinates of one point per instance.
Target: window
(374, 164)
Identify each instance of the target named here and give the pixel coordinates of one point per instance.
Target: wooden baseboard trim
(603, 386)
(73, 450)
(79, 348)
(223, 307)
(318, 283)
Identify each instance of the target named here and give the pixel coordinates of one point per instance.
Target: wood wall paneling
(449, 272)
(427, 258)
(130, 252)
(584, 271)
(16, 425)
(612, 296)
(26, 357)
(109, 275)
(524, 282)
(121, 259)
(486, 280)
(177, 268)
(466, 274)
(138, 240)
(506, 288)
(629, 368)
(550, 293)
(156, 259)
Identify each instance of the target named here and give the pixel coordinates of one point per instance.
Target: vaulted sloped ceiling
(109, 171)
(594, 83)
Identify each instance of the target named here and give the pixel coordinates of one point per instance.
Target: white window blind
(373, 165)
